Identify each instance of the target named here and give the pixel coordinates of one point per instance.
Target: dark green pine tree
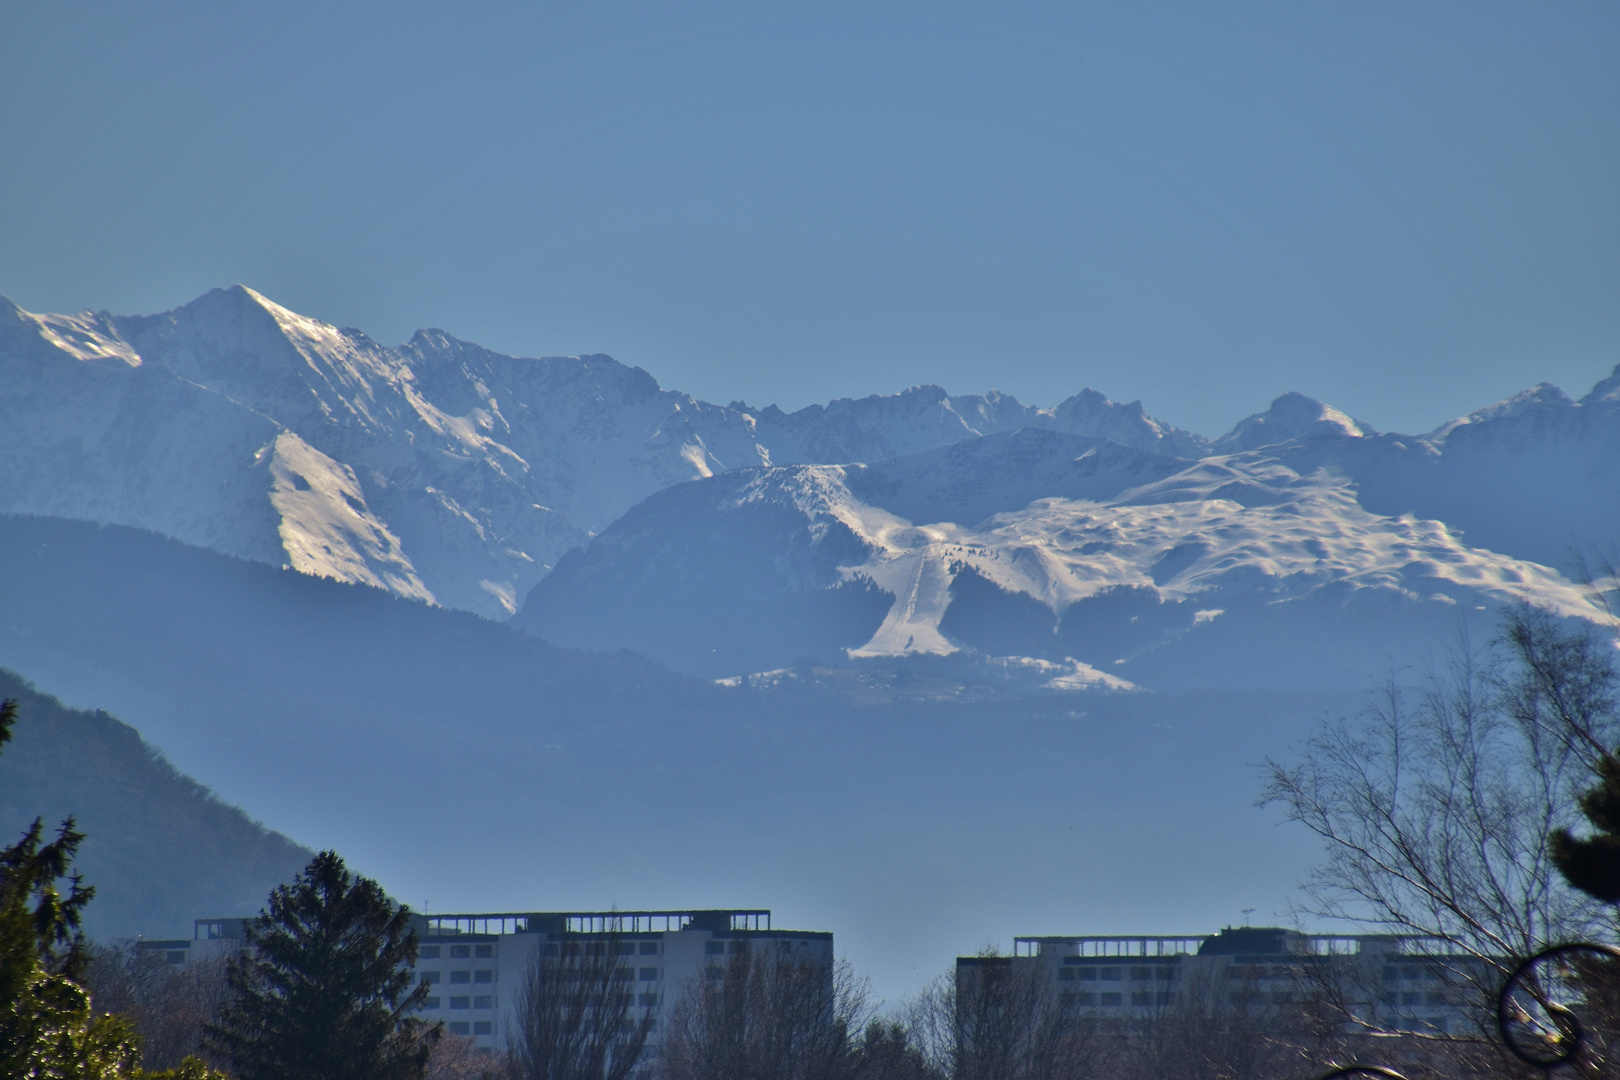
(1593, 864)
(321, 990)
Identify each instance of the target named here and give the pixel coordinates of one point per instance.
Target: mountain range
(1088, 542)
(435, 469)
(381, 597)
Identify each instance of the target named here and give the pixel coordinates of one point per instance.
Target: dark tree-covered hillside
(160, 848)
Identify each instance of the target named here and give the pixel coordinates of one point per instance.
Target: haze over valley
(525, 633)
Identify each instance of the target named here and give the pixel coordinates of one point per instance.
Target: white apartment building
(475, 963)
(1403, 984)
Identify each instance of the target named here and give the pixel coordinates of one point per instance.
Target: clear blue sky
(1408, 209)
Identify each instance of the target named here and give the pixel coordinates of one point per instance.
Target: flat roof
(598, 922)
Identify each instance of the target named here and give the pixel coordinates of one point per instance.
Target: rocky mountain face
(1089, 540)
(436, 469)
(1303, 548)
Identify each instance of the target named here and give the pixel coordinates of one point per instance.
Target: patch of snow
(503, 593)
(1062, 551)
(1070, 674)
(325, 526)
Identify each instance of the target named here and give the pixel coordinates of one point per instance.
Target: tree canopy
(322, 988)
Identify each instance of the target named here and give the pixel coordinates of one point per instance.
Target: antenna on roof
(1246, 913)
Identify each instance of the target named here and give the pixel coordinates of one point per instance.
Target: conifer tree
(1593, 864)
(321, 990)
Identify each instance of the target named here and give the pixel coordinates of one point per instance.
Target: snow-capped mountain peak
(1606, 392)
(444, 471)
(1291, 416)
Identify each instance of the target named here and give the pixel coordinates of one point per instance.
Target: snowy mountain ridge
(436, 469)
(1123, 566)
(1087, 542)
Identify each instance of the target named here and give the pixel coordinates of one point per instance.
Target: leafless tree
(1435, 806)
(1222, 1025)
(168, 1003)
(459, 1057)
(762, 1016)
(577, 1017)
(889, 1050)
(929, 1020)
(1003, 1018)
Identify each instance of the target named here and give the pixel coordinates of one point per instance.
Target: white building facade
(475, 964)
(1394, 982)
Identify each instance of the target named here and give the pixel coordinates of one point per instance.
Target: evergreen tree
(321, 990)
(1593, 864)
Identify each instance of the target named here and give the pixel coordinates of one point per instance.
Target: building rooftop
(596, 922)
(1230, 941)
(723, 920)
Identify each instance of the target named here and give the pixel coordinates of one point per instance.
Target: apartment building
(1400, 984)
(475, 963)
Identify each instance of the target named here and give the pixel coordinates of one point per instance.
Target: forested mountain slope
(159, 848)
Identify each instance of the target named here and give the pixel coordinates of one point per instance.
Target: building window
(429, 977)
(460, 976)
(714, 948)
(649, 1000)
(1141, 974)
(483, 950)
(1140, 998)
(649, 974)
(483, 1027)
(1088, 974)
(484, 976)
(484, 1001)
(1086, 999)
(739, 946)
(432, 1003)
(1410, 998)
(649, 948)
(459, 1027)
(1111, 974)
(1066, 974)
(460, 1003)
(1166, 974)
(460, 952)
(1163, 997)
(1112, 999)
(625, 948)
(428, 952)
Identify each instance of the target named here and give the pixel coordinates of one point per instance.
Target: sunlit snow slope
(1265, 564)
(435, 469)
